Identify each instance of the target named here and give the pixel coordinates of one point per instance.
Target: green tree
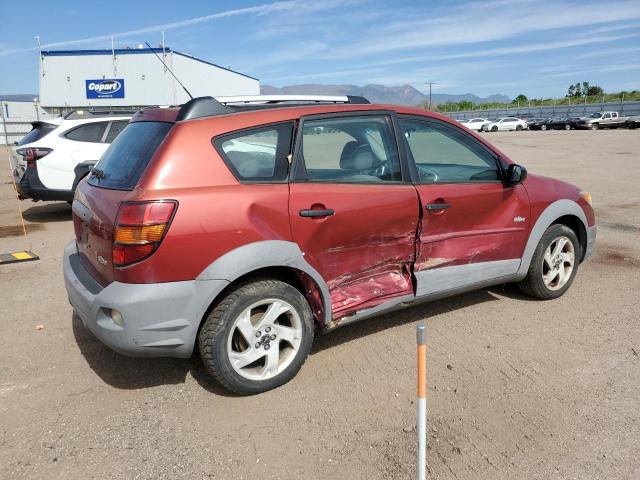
(594, 90)
(520, 99)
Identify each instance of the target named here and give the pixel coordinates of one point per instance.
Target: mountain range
(401, 95)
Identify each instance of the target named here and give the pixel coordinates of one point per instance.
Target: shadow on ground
(124, 372)
(50, 212)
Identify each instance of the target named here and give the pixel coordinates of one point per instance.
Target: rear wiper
(98, 173)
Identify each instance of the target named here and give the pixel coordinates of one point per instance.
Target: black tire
(567, 126)
(494, 129)
(214, 334)
(533, 284)
(595, 126)
(543, 127)
(518, 128)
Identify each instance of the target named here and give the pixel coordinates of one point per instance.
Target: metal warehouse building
(72, 79)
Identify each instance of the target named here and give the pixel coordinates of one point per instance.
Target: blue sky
(535, 47)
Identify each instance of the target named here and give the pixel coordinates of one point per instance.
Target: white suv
(50, 160)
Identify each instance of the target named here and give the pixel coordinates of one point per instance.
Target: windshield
(127, 157)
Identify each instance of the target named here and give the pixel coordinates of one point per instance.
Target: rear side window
(127, 157)
(40, 130)
(114, 130)
(349, 150)
(257, 154)
(91, 132)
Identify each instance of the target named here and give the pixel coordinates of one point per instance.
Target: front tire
(257, 337)
(567, 126)
(518, 128)
(543, 127)
(595, 126)
(554, 264)
(494, 129)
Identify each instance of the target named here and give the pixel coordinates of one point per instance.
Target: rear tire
(494, 129)
(567, 126)
(543, 127)
(554, 264)
(257, 337)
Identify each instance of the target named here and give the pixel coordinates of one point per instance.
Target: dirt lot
(517, 388)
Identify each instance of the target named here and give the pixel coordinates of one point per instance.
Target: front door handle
(437, 206)
(326, 212)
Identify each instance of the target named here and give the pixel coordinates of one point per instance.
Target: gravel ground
(517, 388)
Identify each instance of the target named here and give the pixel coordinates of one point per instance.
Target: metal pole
(4, 124)
(422, 400)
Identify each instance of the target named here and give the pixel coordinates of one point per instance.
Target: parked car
(599, 120)
(560, 123)
(538, 123)
(475, 123)
(44, 162)
(241, 229)
(506, 123)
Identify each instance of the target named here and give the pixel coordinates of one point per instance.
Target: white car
(475, 123)
(506, 123)
(44, 161)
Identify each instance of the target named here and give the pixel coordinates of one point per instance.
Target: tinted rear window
(91, 132)
(39, 131)
(129, 154)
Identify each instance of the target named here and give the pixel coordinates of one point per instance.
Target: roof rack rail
(80, 114)
(270, 99)
(208, 106)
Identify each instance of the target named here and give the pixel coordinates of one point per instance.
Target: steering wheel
(426, 174)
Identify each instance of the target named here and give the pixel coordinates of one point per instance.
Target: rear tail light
(30, 155)
(140, 227)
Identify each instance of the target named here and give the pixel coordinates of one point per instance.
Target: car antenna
(170, 71)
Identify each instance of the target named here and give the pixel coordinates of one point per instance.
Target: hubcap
(558, 262)
(264, 339)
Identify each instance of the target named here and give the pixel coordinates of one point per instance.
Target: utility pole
(430, 84)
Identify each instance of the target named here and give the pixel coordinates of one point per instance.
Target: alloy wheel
(558, 262)
(264, 339)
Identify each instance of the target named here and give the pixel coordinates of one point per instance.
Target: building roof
(131, 51)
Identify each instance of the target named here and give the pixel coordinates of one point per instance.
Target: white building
(72, 79)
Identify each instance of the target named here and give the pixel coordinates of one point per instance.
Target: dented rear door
(351, 213)
(474, 228)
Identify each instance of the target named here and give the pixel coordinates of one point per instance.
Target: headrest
(357, 156)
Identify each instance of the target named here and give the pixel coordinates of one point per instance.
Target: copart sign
(105, 88)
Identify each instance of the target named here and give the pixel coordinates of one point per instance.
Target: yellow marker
(14, 257)
(21, 255)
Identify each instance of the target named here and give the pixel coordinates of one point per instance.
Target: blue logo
(107, 88)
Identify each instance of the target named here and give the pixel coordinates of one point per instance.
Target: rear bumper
(159, 320)
(30, 186)
(591, 241)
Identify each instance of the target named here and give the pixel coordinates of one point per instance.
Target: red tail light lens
(140, 228)
(30, 155)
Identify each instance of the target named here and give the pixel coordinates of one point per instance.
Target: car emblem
(519, 219)
(101, 260)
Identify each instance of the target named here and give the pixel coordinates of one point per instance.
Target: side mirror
(516, 174)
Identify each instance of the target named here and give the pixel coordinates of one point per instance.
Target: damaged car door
(474, 227)
(352, 213)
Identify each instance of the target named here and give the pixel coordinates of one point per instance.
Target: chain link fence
(547, 111)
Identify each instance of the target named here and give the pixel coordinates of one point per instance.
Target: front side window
(257, 154)
(90, 132)
(445, 154)
(349, 150)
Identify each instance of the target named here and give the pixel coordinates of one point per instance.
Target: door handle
(326, 212)
(437, 206)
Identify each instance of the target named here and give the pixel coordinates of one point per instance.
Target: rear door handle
(437, 206)
(327, 212)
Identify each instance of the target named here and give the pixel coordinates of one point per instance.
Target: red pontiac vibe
(238, 225)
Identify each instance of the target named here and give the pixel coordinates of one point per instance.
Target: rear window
(127, 157)
(91, 132)
(39, 131)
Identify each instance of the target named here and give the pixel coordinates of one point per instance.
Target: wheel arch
(566, 212)
(277, 259)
